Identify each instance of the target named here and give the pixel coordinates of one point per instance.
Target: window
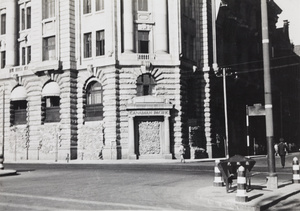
(23, 55)
(145, 85)
(18, 112)
(49, 8)
(99, 5)
(100, 43)
(143, 42)
(28, 54)
(3, 23)
(28, 17)
(25, 18)
(94, 102)
(2, 59)
(142, 5)
(50, 104)
(49, 48)
(87, 45)
(87, 7)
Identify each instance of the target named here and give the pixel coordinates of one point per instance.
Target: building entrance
(148, 137)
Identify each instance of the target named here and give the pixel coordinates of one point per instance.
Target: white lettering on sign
(148, 112)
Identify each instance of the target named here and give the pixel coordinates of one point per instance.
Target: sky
(290, 12)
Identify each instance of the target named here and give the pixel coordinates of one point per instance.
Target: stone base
(132, 157)
(168, 156)
(241, 198)
(272, 182)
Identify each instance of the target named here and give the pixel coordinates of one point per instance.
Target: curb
(7, 172)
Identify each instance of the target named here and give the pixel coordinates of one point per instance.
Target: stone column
(128, 26)
(131, 153)
(11, 22)
(161, 26)
(167, 153)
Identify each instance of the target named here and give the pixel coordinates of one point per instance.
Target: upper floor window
(143, 42)
(99, 5)
(49, 9)
(49, 48)
(87, 48)
(25, 18)
(26, 55)
(145, 85)
(142, 5)
(87, 6)
(3, 23)
(94, 101)
(2, 59)
(100, 43)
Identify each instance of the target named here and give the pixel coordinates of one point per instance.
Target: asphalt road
(99, 187)
(167, 186)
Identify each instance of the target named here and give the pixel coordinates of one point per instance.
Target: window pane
(28, 20)
(142, 5)
(145, 85)
(28, 54)
(23, 56)
(100, 43)
(87, 45)
(49, 48)
(143, 42)
(23, 19)
(3, 23)
(86, 6)
(99, 5)
(2, 59)
(49, 6)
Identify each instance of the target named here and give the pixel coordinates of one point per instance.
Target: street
(161, 186)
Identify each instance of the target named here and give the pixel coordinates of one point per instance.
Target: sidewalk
(259, 198)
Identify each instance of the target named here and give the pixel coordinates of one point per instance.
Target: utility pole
(272, 182)
(3, 128)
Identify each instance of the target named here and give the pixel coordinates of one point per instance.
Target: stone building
(111, 79)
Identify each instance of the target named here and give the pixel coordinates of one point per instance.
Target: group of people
(281, 149)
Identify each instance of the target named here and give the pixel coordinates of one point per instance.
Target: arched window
(145, 85)
(94, 102)
(51, 102)
(18, 106)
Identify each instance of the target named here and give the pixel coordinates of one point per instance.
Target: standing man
(282, 149)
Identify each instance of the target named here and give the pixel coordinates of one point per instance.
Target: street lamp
(3, 129)
(224, 74)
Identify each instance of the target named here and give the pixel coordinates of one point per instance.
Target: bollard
(218, 179)
(241, 186)
(296, 176)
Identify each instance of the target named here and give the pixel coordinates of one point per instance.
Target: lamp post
(3, 129)
(272, 178)
(223, 75)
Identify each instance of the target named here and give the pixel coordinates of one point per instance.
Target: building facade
(90, 79)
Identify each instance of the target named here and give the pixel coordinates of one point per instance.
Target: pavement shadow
(275, 200)
(255, 196)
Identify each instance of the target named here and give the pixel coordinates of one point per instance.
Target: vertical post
(248, 135)
(225, 113)
(272, 179)
(3, 128)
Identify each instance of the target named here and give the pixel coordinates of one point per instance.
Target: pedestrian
(182, 153)
(282, 150)
(276, 149)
